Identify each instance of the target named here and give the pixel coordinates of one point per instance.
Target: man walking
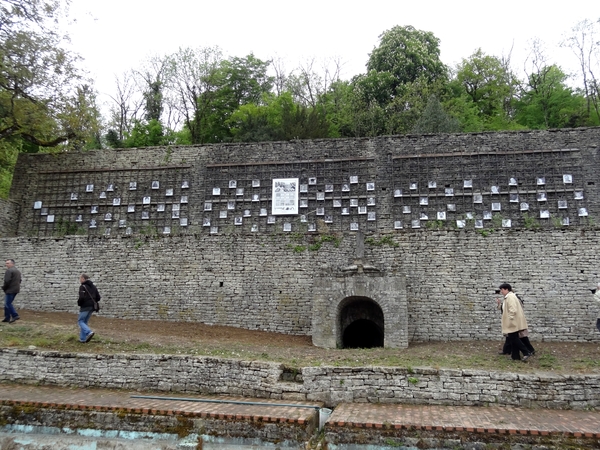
(11, 287)
(513, 321)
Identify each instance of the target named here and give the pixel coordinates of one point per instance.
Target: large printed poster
(285, 196)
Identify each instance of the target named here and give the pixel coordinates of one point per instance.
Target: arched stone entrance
(361, 323)
(362, 310)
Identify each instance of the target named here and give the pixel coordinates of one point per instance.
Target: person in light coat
(513, 321)
(597, 298)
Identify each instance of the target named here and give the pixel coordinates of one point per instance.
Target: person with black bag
(88, 303)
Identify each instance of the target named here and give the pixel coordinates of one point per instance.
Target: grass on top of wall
(59, 332)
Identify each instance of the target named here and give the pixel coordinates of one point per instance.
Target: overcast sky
(114, 36)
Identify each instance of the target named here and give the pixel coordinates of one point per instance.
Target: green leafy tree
(547, 102)
(278, 118)
(486, 87)
(40, 86)
(192, 79)
(407, 54)
(45, 104)
(435, 119)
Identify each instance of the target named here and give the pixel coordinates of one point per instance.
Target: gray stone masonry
(261, 282)
(186, 233)
(331, 385)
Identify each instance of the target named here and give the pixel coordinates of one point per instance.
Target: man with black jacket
(11, 287)
(88, 295)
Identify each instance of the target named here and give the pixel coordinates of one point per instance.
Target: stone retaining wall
(263, 283)
(9, 218)
(331, 385)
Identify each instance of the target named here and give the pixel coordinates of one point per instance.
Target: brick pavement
(114, 400)
(485, 420)
(474, 419)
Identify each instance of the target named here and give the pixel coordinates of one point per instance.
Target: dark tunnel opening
(362, 333)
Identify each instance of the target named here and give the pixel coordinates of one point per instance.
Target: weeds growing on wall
(384, 240)
(64, 227)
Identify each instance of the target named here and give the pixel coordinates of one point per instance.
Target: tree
(547, 102)
(435, 120)
(192, 82)
(279, 118)
(40, 86)
(407, 54)
(126, 110)
(584, 41)
(488, 86)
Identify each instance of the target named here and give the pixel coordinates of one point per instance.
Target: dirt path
(58, 330)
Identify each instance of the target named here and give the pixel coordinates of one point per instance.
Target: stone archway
(361, 323)
(338, 302)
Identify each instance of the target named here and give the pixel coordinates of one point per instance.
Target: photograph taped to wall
(130, 208)
(160, 207)
(578, 195)
(169, 193)
(102, 194)
(37, 205)
(285, 196)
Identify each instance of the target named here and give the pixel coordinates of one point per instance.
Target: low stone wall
(160, 429)
(331, 385)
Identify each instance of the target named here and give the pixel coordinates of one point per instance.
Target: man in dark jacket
(11, 287)
(87, 295)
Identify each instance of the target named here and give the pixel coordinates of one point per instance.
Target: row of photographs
(494, 189)
(133, 186)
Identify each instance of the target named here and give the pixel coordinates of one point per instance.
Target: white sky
(114, 36)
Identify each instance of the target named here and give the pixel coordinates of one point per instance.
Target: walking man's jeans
(9, 309)
(84, 317)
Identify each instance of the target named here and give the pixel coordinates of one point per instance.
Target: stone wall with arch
(188, 233)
